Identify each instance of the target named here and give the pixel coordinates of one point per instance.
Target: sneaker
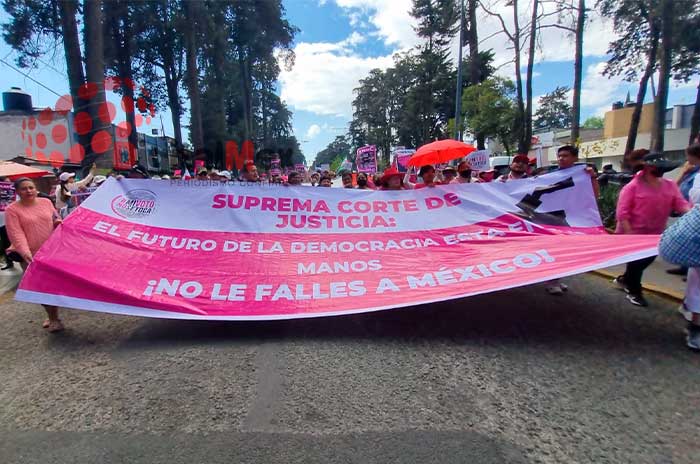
(687, 315)
(620, 283)
(564, 287)
(555, 290)
(693, 337)
(637, 300)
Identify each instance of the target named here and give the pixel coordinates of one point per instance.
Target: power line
(30, 77)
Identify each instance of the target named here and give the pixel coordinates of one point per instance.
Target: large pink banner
(200, 250)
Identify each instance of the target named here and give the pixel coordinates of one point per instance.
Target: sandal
(55, 326)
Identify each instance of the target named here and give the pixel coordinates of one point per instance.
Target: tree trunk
(665, 57)
(74, 60)
(263, 112)
(520, 120)
(527, 138)
(578, 71)
(95, 73)
(126, 73)
(695, 121)
(247, 97)
(171, 85)
(641, 93)
(472, 39)
(192, 76)
(475, 76)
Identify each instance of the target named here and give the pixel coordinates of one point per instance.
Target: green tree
(340, 147)
(490, 109)
(554, 111)
(665, 34)
(159, 50)
(36, 28)
(191, 30)
(430, 102)
(518, 35)
(594, 122)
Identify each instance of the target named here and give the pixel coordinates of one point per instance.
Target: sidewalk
(655, 279)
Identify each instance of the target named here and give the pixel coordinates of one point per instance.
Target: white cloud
(313, 131)
(553, 44)
(391, 18)
(598, 91)
(324, 76)
(692, 83)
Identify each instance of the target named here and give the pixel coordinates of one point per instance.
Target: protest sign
(7, 195)
(479, 160)
(278, 252)
(275, 167)
(366, 159)
(401, 156)
(81, 195)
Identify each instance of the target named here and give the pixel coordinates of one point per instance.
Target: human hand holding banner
(274, 252)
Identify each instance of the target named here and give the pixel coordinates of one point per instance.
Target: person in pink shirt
(643, 208)
(30, 222)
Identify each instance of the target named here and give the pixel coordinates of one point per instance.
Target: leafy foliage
(594, 122)
(554, 110)
(490, 109)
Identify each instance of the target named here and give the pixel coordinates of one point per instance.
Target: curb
(655, 289)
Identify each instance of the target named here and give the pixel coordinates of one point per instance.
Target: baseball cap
(521, 159)
(99, 179)
(201, 170)
(225, 174)
(65, 176)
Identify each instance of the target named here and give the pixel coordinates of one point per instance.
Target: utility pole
(458, 97)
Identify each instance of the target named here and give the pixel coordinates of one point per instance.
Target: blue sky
(341, 40)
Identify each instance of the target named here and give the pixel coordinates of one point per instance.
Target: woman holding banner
(30, 221)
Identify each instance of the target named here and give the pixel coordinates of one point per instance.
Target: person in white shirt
(67, 186)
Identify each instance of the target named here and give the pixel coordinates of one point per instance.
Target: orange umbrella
(441, 151)
(15, 170)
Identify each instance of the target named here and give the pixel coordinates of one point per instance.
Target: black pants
(4, 240)
(633, 274)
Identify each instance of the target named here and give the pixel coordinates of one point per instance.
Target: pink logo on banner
(251, 253)
(135, 204)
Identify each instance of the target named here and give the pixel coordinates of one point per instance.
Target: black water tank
(16, 99)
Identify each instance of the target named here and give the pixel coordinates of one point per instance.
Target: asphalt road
(515, 376)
